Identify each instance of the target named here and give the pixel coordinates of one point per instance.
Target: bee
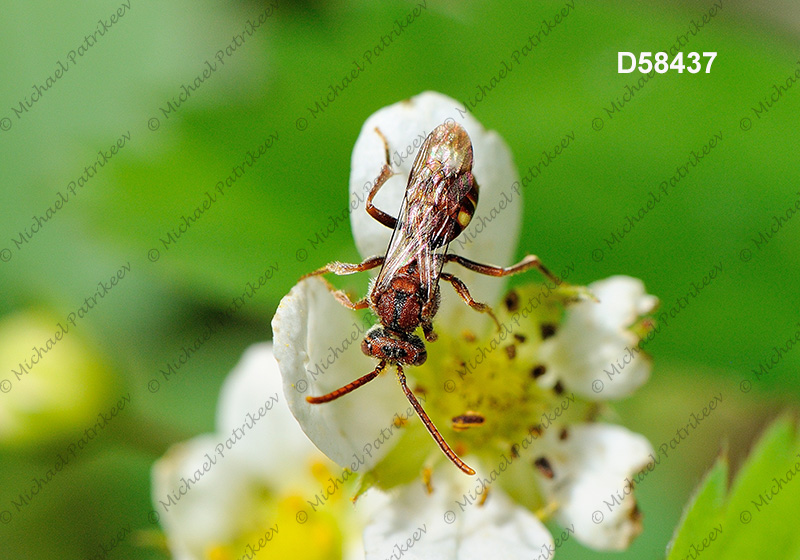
(439, 202)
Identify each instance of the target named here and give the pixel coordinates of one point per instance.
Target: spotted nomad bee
(439, 202)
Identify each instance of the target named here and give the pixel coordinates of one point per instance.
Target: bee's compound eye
(420, 356)
(417, 354)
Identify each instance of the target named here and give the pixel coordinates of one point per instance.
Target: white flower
(594, 353)
(592, 465)
(310, 327)
(526, 398)
(438, 528)
(241, 490)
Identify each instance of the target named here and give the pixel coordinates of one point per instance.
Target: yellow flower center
(287, 527)
(483, 395)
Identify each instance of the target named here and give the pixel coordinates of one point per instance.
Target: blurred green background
(162, 173)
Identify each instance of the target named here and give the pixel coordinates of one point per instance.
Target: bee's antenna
(430, 427)
(352, 386)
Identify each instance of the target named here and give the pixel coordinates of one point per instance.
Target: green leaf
(704, 511)
(754, 519)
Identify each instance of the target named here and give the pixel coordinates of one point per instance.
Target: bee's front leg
(427, 330)
(386, 172)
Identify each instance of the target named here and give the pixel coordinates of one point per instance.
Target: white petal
(592, 468)
(203, 514)
(310, 327)
(593, 353)
(254, 425)
(492, 235)
(622, 300)
(498, 529)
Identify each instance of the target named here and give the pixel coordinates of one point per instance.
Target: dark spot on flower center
(548, 330)
(544, 467)
(512, 301)
(467, 420)
(511, 351)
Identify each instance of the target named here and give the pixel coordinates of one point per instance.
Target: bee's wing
(440, 198)
(417, 226)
